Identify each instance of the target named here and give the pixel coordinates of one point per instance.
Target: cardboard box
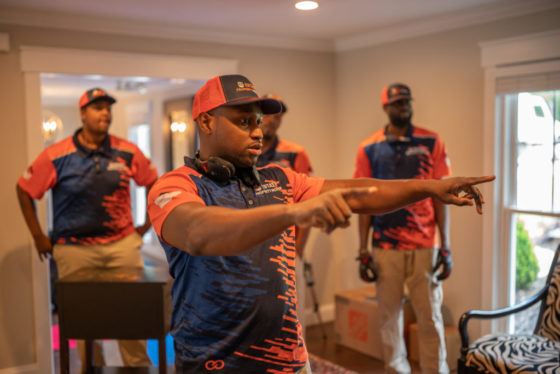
(357, 320)
(452, 344)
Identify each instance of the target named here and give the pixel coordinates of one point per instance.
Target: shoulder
(421, 132)
(288, 146)
(122, 144)
(376, 137)
(60, 149)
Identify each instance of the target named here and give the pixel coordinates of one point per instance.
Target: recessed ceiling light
(307, 5)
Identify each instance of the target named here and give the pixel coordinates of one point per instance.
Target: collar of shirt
(407, 138)
(85, 152)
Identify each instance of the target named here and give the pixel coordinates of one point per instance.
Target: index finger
(479, 180)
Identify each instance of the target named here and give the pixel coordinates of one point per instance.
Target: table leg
(64, 355)
(162, 356)
(89, 356)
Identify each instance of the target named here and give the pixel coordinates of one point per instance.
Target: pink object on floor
(56, 341)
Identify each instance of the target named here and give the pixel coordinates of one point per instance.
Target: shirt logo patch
(27, 174)
(265, 188)
(116, 166)
(163, 199)
(416, 151)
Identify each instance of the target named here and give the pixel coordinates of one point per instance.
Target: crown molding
(78, 22)
(442, 22)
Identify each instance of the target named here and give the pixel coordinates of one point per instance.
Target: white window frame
(529, 54)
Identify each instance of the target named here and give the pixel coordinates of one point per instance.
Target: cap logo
(96, 93)
(245, 86)
(398, 91)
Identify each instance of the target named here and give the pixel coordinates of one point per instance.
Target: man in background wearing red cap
(228, 231)
(89, 174)
(287, 154)
(404, 241)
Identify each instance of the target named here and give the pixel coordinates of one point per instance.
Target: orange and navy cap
(95, 94)
(230, 90)
(276, 97)
(394, 92)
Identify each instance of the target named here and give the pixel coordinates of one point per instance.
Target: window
(531, 192)
(140, 135)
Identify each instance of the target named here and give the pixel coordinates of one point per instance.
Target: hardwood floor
(340, 355)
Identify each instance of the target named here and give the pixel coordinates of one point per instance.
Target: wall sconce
(51, 126)
(178, 127)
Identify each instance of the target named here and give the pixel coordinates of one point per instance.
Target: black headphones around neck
(222, 171)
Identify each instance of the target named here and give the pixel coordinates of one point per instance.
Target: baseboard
(326, 312)
(24, 369)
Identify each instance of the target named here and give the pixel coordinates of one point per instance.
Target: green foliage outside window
(526, 265)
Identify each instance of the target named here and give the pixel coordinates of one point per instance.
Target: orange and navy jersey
(420, 154)
(234, 314)
(90, 188)
(287, 154)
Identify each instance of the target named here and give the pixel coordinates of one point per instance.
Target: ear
(83, 113)
(205, 123)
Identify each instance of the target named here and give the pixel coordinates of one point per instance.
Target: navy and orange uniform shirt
(90, 188)
(420, 154)
(234, 314)
(287, 154)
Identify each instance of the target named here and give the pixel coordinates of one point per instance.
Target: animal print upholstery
(550, 323)
(537, 353)
(500, 354)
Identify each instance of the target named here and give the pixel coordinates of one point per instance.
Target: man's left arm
(141, 230)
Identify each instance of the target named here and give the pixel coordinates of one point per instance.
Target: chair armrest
(492, 314)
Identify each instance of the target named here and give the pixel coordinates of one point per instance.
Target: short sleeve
(303, 187)
(442, 165)
(39, 177)
(362, 167)
(144, 172)
(171, 190)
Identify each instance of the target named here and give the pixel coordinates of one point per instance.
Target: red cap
(95, 94)
(394, 92)
(230, 90)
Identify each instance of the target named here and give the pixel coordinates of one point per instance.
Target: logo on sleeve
(163, 199)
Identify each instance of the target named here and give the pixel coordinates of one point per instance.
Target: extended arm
(395, 194)
(219, 231)
(42, 242)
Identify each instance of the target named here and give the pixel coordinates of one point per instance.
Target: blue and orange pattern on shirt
(420, 154)
(234, 314)
(90, 188)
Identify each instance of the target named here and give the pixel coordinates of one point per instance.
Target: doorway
(36, 61)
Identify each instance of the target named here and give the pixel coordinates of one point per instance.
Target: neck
(396, 130)
(267, 143)
(90, 140)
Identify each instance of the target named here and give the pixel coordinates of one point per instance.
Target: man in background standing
(287, 154)
(89, 174)
(404, 241)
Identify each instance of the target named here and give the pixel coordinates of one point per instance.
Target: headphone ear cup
(219, 170)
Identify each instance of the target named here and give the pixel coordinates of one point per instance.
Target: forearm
(29, 213)
(363, 229)
(218, 231)
(442, 219)
(390, 195)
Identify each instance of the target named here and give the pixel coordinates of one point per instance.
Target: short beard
(400, 122)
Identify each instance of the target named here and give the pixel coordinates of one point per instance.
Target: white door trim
(35, 60)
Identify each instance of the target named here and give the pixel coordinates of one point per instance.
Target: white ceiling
(335, 25)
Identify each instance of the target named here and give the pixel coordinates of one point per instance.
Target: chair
(516, 353)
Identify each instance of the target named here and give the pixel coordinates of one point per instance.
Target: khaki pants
(396, 268)
(123, 252)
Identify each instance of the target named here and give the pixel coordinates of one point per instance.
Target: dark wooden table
(116, 303)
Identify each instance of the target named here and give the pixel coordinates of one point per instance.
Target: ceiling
(335, 25)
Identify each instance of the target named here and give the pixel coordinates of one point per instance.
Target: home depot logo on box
(357, 325)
